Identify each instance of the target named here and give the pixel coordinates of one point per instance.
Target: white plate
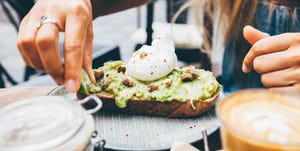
(136, 132)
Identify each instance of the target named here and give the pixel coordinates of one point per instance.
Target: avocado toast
(185, 92)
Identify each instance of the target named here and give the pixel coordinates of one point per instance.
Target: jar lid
(39, 123)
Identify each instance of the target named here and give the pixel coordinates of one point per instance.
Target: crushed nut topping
(169, 82)
(194, 73)
(104, 84)
(152, 88)
(190, 74)
(98, 74)
(122, 69)
(187, 77)
(143, 55)
(128, 82)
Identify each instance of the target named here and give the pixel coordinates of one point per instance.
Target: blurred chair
(20, 7)
(4, 75)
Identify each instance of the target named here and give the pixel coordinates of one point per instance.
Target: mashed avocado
(181, 84)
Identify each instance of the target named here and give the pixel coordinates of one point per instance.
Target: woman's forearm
(104, 7)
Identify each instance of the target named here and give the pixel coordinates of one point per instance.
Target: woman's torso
(282, 19)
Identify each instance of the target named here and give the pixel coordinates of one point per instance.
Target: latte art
(271, 121)
(260, 120)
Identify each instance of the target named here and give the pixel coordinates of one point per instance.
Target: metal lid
(39, 123)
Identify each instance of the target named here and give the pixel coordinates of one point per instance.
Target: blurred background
(117, 34)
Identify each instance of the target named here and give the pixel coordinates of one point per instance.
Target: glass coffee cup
(260, 120)
(48, 123)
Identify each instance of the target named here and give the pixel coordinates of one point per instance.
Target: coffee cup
(260, 120)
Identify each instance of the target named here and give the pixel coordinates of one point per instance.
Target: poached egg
(153, 62)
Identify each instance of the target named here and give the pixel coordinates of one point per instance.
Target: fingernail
(70, 86)
(245, 68)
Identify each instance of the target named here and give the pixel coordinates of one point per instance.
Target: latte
(260, 120)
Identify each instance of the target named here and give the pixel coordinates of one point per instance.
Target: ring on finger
(45, 20)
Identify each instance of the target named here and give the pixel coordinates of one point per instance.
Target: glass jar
(48, 123)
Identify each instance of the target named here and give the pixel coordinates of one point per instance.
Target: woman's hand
(38, 40)
(276, 58)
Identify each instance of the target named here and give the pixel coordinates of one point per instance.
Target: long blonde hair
(234, 15)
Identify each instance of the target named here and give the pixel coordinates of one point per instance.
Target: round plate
(136, 132)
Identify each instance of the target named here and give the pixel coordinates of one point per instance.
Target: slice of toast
(156, 108)
(185, 92)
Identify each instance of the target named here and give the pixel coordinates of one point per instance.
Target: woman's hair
(238, 13)
(234, 15)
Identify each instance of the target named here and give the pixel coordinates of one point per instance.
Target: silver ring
(45, 20)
